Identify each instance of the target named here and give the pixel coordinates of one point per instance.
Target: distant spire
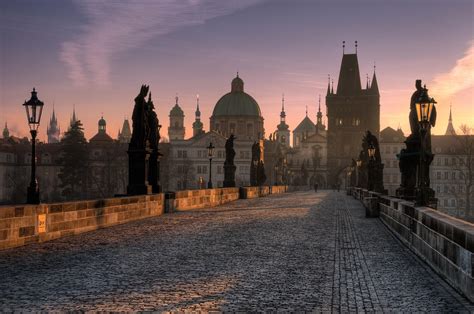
(283, 102)
(343, 46)
(176, 98)
(197, 102)
(367, 85)
(319, 103)
(374, 86)
(237, 73)
(306, 110)
(332, 87)
(6, 132)
(356, 46)
(329, 85)
(450, 129)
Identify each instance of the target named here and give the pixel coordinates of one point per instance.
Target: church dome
(102, 122)
(237, 102)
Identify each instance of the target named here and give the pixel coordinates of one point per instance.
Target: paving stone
(292, 252)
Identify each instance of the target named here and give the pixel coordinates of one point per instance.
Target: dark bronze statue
(229, 167)
(153, 140)
(139, 120)
(254, 164)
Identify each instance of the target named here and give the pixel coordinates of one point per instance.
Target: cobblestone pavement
(297, 251)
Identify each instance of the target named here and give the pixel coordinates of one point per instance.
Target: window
(220, 154)
(445, 189)
(453, 202)
(249, 129)
(445, 202)
(446, 175)
(232, 128)
(453, 175)
(446, 161)
(438, 175)
(438, 189)
(394, 150)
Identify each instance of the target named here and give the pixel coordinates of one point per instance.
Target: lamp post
(424, 108)
(210, 154)
(371, 170)
(34, 109)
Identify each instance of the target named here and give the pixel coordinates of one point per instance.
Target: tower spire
(283, 102)
(306, 110)
(332, 87)
(356, 46)
(329, 85)
(343, 46)
(450, 129)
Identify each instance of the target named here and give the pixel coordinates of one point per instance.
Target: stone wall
(444, 242)
(25, 224)
(278, 189)
(193, 199)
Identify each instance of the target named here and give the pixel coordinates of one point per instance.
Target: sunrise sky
(96, 54)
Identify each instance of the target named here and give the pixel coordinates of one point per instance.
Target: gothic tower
(283, 132)
(197, 125)
(450, 129)
(351, 111)
(176, 129)
(53, 129)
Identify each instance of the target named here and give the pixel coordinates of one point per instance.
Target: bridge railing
(23, 224)
(444, 242)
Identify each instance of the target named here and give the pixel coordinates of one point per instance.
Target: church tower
(197, 125)
(176, 129)
(351, 112)
(450, 129)
(53, 129)
(73, 118)
(320, 127)
(283, 131)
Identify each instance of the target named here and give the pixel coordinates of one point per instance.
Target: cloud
(459, 78)
(116, 26)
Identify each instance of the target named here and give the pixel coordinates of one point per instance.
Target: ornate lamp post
(371, 170)
(424, 108)
(210, 154)
(34, 109)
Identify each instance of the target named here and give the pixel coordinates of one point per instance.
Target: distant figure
(315, 187)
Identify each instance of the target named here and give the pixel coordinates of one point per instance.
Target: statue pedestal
(229, 176)
(138, 171)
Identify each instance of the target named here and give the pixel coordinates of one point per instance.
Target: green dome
(237, 102)
(176, 111)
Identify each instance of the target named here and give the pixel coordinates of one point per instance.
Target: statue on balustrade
(229, 167)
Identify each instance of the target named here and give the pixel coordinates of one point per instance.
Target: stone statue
(375, 171)
(254, 164)
(153, 140)
(229, 167)
(139, 120)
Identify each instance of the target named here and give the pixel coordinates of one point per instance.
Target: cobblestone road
(298, 251)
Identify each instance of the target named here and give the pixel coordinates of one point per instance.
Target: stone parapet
(25, 224)
(194, 199)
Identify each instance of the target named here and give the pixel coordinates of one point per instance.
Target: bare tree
(465, 167)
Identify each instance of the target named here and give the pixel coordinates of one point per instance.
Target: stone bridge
(300, 251)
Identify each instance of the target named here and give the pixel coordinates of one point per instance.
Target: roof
(101, 137)
(237, 102)
(305, 125)
(176, 111)
(390, 135)
(349, 76)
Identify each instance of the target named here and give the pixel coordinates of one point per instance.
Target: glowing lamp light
(34, 109)
(210, 150)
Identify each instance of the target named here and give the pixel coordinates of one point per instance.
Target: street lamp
(424, 106)
(34, 109)
(210, 154)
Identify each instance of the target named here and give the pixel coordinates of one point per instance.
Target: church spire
(197, 124)
(6, 132)
(450, 129)
(374, 86)
(332, 87)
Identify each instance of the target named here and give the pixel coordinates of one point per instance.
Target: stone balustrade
(444, 242)
(23, 224)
